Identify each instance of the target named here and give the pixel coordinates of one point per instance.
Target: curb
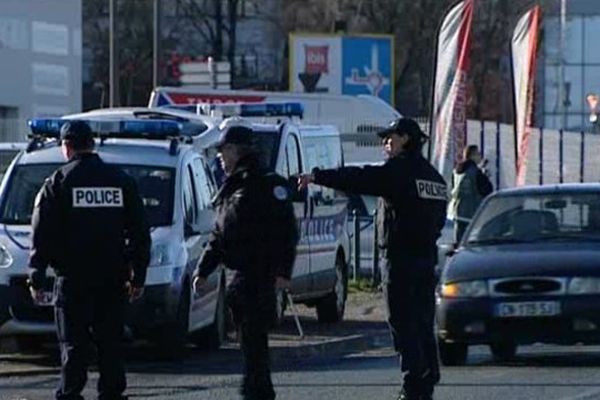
(29, 372)
(333, 347)
(337, 346)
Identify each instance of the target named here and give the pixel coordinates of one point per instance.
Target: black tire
(211, 337)
(331, 308)
(504, 351)
(172, 339)
(453, 354)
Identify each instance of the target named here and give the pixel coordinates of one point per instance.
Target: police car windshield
(155, 185)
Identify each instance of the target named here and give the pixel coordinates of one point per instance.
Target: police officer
(89, 226)
(411, 214)
(255, 235)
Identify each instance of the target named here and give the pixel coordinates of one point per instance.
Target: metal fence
(554, 156)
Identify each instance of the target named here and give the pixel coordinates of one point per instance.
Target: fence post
(560, 156)
(541, 156)
(582, 158)
(375, 266)
(497, 155)
(356, 267)
(482, 138)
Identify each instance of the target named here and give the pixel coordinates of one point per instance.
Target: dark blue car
(526, 271)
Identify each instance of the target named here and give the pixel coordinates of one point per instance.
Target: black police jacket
(412, 212)
(255, 231)
(89, 225)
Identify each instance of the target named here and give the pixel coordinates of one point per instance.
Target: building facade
(580, 61)
(40, 71)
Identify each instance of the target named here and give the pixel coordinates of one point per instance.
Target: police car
(157, 150)
(320, 276)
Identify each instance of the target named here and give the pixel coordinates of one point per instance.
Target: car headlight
(465, 289)
(160, 255)
(584, 286)
(6, 259)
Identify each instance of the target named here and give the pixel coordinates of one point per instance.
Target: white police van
(320, 276)
(176, 185)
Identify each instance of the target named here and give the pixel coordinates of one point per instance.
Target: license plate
(528, 309)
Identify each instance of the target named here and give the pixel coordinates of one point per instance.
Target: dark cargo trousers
(84, 316)
(409, 286)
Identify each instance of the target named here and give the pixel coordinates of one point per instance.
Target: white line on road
(589, 395)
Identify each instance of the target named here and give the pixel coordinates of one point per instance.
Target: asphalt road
(544, 372)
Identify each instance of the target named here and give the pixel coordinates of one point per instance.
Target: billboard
(338, 64)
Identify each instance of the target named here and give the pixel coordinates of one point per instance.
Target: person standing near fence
(411, 215)
(470, 185)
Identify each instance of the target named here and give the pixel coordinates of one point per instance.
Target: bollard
(375, 266)
(561, 160)
(541, 157)
(356, 267)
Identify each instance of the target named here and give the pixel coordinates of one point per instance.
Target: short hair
(469, 151)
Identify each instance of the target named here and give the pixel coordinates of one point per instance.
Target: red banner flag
(449, 109)
(524, 56)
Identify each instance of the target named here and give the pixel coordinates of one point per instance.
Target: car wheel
(172, 338)
(331, 308)
(453, 354)
(504, 351)
(280, 307)
(211, 337)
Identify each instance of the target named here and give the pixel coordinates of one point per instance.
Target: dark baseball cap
(241, 135)
(404, 126)
(76, 131)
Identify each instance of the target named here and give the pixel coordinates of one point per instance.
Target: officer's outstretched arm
(138, 233)
(375, 180)
(45, 222)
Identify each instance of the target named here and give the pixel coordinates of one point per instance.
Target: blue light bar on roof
(142, 129)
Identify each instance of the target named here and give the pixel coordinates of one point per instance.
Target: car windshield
(155, 185)
(537, 217)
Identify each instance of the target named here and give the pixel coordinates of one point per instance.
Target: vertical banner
(523, 56)
(449, 108)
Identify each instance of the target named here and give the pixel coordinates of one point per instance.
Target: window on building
(9, 125)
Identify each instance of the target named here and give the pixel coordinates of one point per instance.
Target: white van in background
(357, 118)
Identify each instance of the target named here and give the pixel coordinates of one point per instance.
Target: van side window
(204, 185)
(292, 155)
(190, 204)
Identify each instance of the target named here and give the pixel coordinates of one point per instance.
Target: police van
(176, 185)
(320, 276)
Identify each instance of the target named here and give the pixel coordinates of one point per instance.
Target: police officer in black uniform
(255, 235)
(411, 214)
(89, 226)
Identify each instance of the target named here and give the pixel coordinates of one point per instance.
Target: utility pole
(113, 74)
(157, 18)
(562, 112)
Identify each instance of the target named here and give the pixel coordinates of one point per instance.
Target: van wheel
(211, 337)
(504, 351)
(331, 308)
(280, 307)
(172, 339)
(453, 354)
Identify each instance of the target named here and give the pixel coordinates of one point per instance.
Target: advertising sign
(337, 64)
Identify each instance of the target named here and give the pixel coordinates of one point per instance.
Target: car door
(290, 167)
(202, 309)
